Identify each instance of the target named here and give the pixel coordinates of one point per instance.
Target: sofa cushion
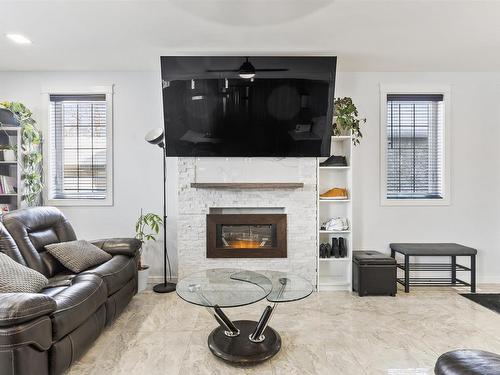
(33, 228)
(79, 255)
(119, 246)
(75, 303)
(16, 308)
(16, 278)
(8, 246)
(116, 273)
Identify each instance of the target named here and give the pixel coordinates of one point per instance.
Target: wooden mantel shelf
(247, 185)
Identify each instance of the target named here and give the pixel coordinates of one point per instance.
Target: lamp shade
(155, 137)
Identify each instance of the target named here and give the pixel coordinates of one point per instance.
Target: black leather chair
(45, 333)
(468, 362)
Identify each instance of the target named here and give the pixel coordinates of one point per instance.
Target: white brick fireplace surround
(299, 205)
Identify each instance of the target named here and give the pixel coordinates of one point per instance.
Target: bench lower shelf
(433, 267)
(432, 281)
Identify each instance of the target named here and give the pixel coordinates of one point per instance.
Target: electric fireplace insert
(246, 236)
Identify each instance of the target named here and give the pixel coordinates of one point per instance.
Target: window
(414, 148)
(79, 169)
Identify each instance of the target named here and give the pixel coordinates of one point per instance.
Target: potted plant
(346, 120)
(9, 152)
(146, 228)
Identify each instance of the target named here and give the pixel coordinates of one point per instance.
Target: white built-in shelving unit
(10, 139)
(335, 273)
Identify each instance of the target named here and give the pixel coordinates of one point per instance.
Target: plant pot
(143, 275)
(9, 155)
(338, 131)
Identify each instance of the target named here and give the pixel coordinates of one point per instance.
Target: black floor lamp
(156, 137)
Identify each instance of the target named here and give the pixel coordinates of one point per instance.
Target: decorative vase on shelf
(9, 155)
(338, 131)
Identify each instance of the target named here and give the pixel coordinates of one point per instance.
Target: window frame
(415, 89)
(86, 90)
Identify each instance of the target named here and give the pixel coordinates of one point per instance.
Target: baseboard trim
(159, 279)
(480, 280)
(488, 280)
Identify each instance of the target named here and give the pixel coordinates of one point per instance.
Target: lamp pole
(156, 137)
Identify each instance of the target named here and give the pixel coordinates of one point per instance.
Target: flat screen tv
(249, 106)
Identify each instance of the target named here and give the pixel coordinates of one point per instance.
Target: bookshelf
(10, 168)
(335, 273)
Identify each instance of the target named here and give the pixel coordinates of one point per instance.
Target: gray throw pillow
(16, 278)
(79, 255)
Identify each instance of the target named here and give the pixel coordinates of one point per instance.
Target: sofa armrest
(119, 246)
(16, 308)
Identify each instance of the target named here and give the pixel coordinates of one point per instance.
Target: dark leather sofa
(468, 362)
(45, 333)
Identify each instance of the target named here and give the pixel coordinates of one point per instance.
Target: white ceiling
(367, 35)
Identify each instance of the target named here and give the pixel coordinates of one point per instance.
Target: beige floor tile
(327, 333)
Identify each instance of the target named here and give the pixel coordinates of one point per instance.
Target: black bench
(451, 250)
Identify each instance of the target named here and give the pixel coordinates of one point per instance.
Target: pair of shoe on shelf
(335, 193)
(334, 161)
(335, 224)
(337, 249)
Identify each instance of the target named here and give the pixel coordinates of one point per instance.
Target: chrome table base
(240, 349)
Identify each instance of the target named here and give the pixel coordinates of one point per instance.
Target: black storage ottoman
(373, 273)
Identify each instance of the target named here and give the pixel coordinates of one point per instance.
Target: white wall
(473, 217)
(137, 164)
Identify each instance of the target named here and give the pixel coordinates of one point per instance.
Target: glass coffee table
(242, 341)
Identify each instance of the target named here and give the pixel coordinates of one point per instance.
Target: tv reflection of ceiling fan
(246, 70)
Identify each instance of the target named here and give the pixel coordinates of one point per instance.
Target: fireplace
(246, 236)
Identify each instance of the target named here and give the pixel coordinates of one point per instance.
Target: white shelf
(12, 167)
(341, 137)
(334, 200)
(334, 231)
(333, 281)
(335, 273)
(335, 167)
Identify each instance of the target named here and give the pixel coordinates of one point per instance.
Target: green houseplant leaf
(347, 120)
(147, 228)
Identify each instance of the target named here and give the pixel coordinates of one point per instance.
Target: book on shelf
(8, 184)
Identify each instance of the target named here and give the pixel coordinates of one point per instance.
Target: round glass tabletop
(286, 286)
(227, 287)
(224, 287)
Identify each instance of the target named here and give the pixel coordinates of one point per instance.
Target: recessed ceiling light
(18, 38)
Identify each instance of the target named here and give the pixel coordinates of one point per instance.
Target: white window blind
(78, 147)
(415, 146)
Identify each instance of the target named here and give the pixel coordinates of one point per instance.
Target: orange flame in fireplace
(244, 244)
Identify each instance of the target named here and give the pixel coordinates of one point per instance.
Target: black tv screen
(275, 106)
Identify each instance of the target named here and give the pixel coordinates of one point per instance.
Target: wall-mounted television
(249, 106)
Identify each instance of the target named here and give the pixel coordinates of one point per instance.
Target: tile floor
(327, 333)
